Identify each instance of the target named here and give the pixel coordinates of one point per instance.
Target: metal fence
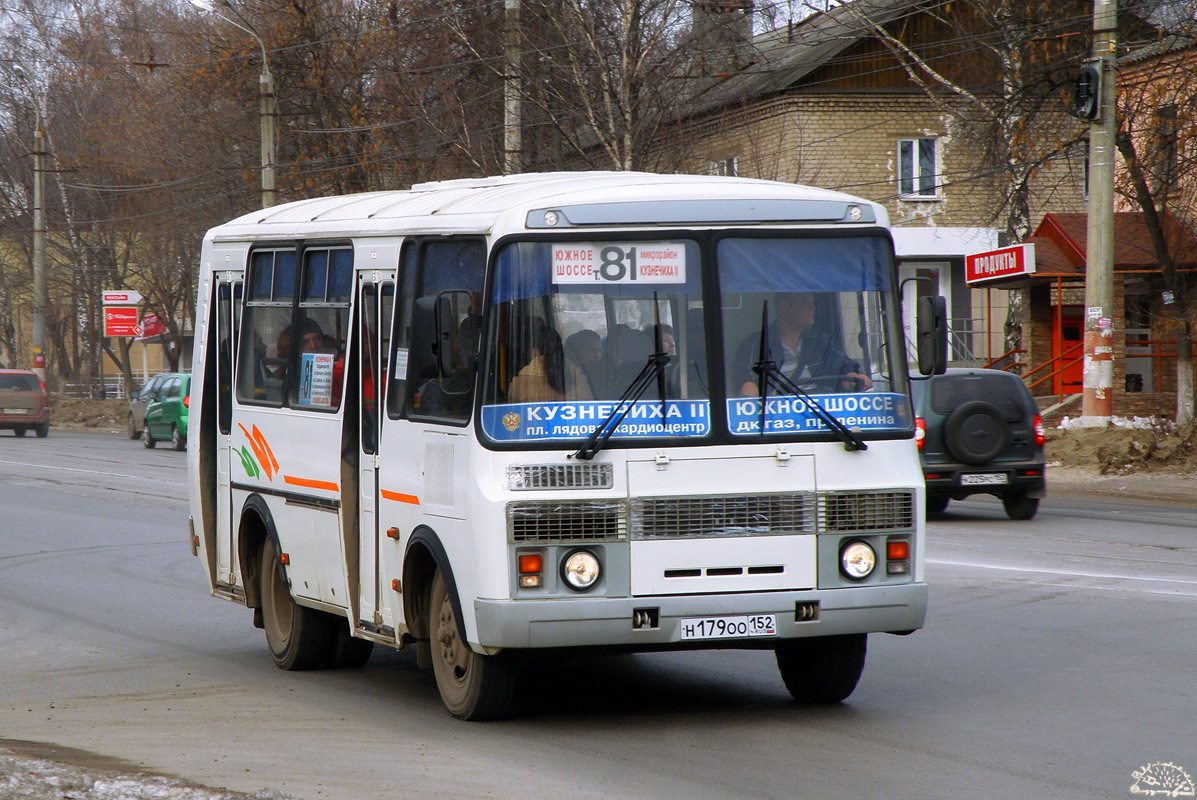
(109, 386)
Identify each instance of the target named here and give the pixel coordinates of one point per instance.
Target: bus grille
(722, 515)
(530, 477)
(567, 521)
(866, 511)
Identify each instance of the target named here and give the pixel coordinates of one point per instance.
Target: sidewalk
(1159, 487)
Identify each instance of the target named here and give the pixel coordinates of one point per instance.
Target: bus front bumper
(612, 622)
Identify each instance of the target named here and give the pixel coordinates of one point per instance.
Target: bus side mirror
(933, 335)
(445, 321)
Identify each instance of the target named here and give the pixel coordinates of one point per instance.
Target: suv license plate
(728, 627)
(20, 412)
(984, 479)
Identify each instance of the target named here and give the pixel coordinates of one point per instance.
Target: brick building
(826, 101)
(1144, 330)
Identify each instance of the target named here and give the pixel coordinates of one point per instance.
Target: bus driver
(804, 354)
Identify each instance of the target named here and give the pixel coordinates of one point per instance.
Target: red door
(1068, 349)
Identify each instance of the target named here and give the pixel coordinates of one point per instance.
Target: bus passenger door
(228, 303)
(375, 301)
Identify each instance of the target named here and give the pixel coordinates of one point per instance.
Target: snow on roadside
(1138, 423)
(36, 779)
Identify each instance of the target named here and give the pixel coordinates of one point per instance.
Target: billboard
(121, 321)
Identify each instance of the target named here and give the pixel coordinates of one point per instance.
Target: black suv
(979, 432)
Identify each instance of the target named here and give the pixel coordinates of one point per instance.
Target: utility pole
(512, 147)
(1098, 400)
(268, 116)
(39, 250)
(267, 105)
(40, 299)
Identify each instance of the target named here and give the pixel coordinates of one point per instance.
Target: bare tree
(1000, 69)
(1157, 138)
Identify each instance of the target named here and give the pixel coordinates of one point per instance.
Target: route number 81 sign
(645, 262)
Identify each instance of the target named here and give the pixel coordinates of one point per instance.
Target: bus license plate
(728, 627)
(984, 479)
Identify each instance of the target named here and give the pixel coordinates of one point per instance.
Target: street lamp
(40, 300)
(267, 110)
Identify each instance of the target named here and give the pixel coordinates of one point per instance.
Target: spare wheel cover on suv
(976, 432)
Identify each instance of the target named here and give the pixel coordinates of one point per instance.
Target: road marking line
(73, 469)
(1065, 572)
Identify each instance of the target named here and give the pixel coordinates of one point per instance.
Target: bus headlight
(857, 560)
(580, 570)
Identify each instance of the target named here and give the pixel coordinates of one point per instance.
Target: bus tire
(299, 637)
(348, 652)
(472, 686)
(822, 670)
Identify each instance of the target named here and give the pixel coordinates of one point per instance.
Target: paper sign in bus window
(649, 262)
(316, 379)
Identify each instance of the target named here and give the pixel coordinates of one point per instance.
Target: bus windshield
(807, 329)
(616, 332)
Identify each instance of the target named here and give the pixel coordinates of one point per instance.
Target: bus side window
(318, 348)
(266, 327)
(452, 270)
(396, 393)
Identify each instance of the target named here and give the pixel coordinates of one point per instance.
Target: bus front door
(375, 301)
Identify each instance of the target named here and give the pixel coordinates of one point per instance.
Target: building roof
(1061, 245)
(785, 56)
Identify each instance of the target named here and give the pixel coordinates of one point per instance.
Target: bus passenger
(810, 358)
(583, 364)
(540, 379)
(668, 341)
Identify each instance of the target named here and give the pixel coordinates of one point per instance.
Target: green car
(166, 415)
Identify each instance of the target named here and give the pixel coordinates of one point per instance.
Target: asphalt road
(1058, 659)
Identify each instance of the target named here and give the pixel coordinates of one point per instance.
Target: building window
(724, 166)
(1166, 163)
(916, 169)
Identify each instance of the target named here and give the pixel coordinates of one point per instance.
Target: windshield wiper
(654, 367)
(770, 374)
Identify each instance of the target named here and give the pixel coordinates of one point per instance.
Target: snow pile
(1135, 423)
(35, 779)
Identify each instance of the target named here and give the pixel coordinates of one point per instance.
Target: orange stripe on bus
(309, 484)
(387, 494)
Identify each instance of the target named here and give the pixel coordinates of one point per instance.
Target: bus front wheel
(472, 686)
(299, 637)
(822, 670)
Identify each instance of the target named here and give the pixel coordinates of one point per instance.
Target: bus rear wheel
(472, 686)
(299, 637)
(822, 670)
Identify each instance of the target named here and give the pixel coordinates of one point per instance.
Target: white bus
(574, 410)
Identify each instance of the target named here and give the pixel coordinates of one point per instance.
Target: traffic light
(1086, 95)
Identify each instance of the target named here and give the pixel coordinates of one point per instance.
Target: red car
(23, 403)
